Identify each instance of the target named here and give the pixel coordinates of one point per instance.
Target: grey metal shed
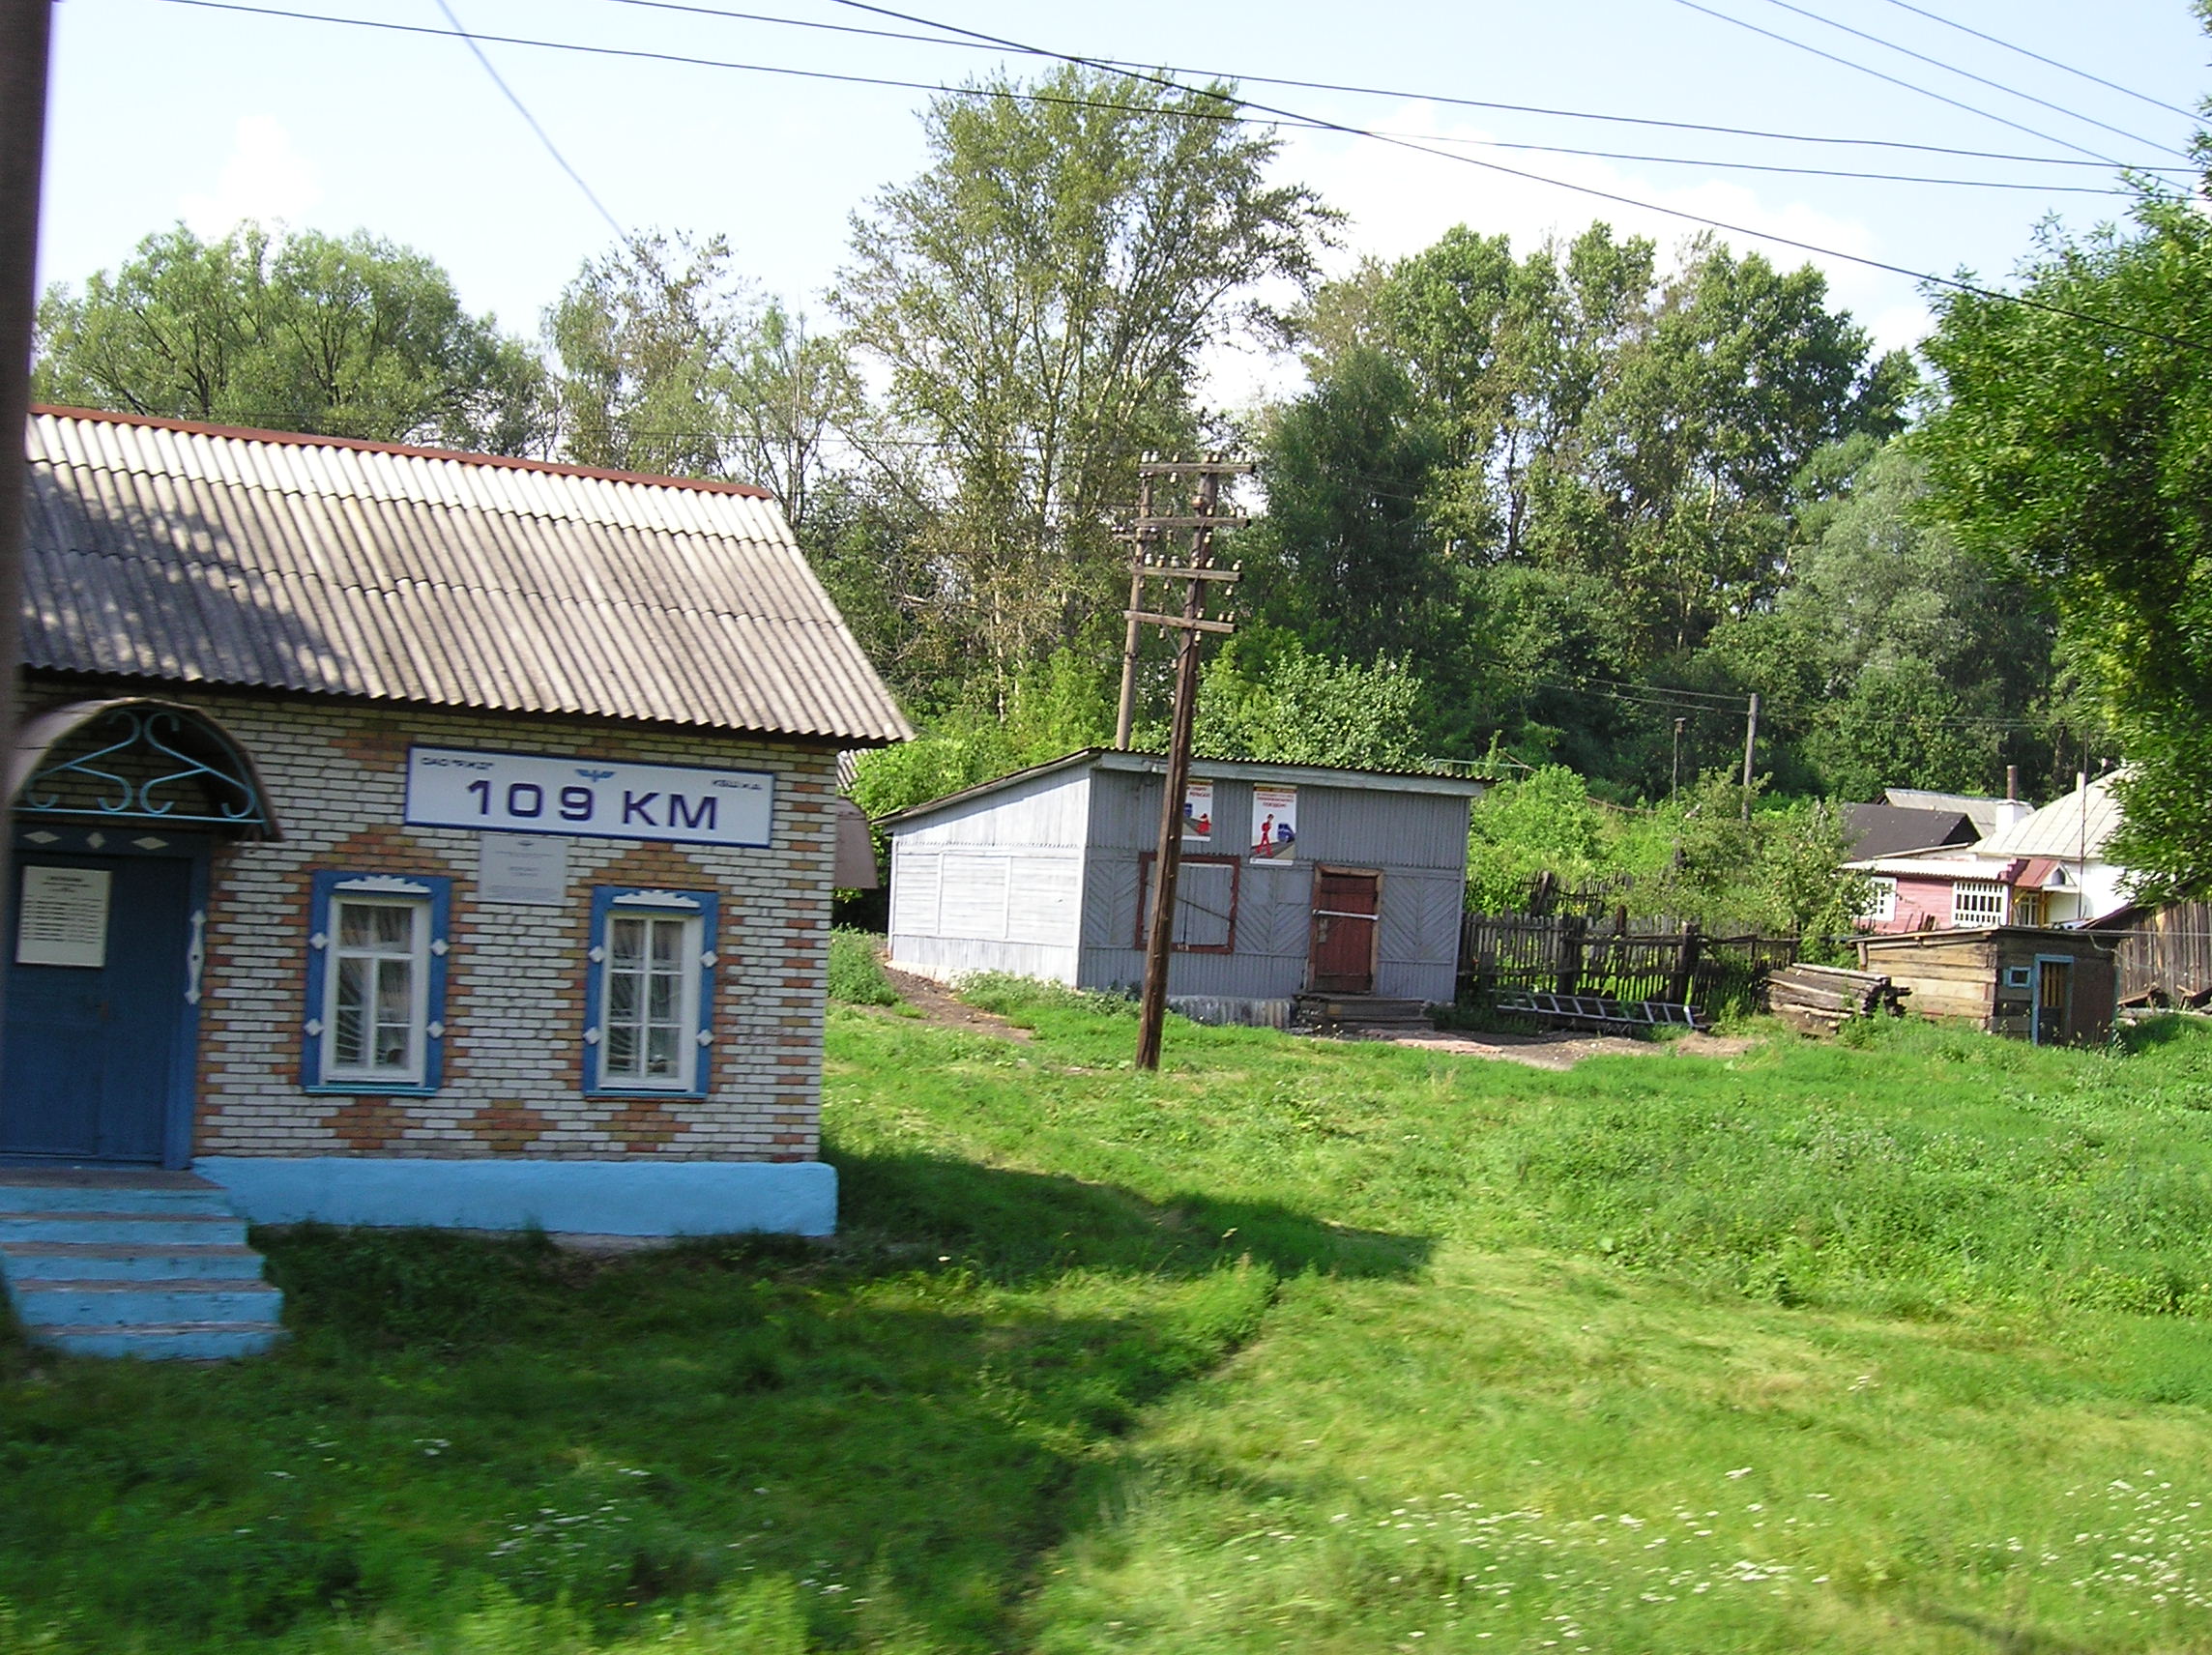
(1295, 878)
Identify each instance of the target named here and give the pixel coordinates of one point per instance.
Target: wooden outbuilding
(2052, 987)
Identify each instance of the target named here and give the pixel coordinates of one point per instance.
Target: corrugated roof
(2068, 828)
(1888, 830)
(1262, 770)
(1979, 809)
(202, 554)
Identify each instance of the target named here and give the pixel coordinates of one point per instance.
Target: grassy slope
(1292, 1346)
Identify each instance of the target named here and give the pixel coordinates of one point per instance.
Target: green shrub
(855, 970)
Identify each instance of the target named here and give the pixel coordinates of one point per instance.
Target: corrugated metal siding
(1051, 812)
(195, 558)
(1418, 841)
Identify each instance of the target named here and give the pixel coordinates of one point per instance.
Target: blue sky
(165, 111)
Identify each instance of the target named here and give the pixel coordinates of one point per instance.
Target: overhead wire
(1401, 94)
(552, 149)
(1968, 74)
(1774, 238)
(2048, 62)
(1226, 115)
(1897, 81)
(1956, 284)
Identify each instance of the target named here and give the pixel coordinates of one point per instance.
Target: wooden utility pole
(1197, 576)
(26, 32)
(1750, 740)
(1126, 716)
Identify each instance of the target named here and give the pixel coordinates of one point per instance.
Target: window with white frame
(376, 982)
(1977, 902)
(649, 1019)
(1883, 907)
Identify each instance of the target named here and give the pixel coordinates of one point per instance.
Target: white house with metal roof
(2036, 868)
(1295, 878)
(406, 836)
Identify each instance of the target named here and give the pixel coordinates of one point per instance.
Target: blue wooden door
(93, 1055)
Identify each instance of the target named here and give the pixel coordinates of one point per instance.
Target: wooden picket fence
(1612, 955)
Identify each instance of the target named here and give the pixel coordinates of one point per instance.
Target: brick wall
(515, 1006)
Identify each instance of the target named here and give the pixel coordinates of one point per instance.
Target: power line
(1224, 115)
(1402, 95)
(1634, 695)
(2048, 62)
(1952, 283)
(560, 161)
(1233, 103)
(1894, 80)
(1969, 75)
(1768, 166)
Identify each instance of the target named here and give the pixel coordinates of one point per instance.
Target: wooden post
(1571, 929)
(1750, 739)
(1125, 718)
(1167, 861)
(1685, 965)
(26, 32)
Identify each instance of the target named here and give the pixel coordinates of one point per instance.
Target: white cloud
(264, 179)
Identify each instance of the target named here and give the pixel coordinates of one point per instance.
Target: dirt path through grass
(937, 1003)
(1560, 1052)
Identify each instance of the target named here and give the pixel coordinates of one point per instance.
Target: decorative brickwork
(514, 1011)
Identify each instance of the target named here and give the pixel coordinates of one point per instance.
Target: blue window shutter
(705, 906)
(437, 892)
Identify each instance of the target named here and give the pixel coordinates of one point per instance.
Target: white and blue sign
(531, 793)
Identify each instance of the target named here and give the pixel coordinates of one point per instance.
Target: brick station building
(411, 837)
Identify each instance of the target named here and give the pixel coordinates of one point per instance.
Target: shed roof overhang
(1265, 772)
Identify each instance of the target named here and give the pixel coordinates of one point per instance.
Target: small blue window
(375, 1017)
(648, 994)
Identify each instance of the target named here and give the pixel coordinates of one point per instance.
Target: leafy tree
(1271, 699)
(1038, 300)
(1626, 458)
(2080, 455)
(352, 337)
(1057, 707)
(1894, 657)
(1542, 823)
(671, 364)
(1346, 554)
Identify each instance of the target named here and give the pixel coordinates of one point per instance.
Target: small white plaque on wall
(529, 868)
(62, 920)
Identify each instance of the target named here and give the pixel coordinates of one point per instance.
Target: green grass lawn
(1296, 1345)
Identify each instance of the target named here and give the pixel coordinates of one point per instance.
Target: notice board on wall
(1198, 810)
(527, 868)
(62, 919)
(1274, 824)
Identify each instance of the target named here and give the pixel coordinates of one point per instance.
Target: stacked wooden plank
(1818, 1000)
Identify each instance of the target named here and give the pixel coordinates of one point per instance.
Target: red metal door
(1343, 911)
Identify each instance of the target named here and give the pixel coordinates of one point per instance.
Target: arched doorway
(119, 805)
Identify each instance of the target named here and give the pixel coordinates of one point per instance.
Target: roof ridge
(406, 450)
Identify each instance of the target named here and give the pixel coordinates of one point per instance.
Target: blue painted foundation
(573, 1198)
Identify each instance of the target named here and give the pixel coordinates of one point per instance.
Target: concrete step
(38, 1190)
(25, 1262)
(103, 1228)
(132, 1262)
(173, 1341)
(44, 1305)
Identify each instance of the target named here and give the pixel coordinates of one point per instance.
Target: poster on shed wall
(1274, 824)
(1198, 810)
